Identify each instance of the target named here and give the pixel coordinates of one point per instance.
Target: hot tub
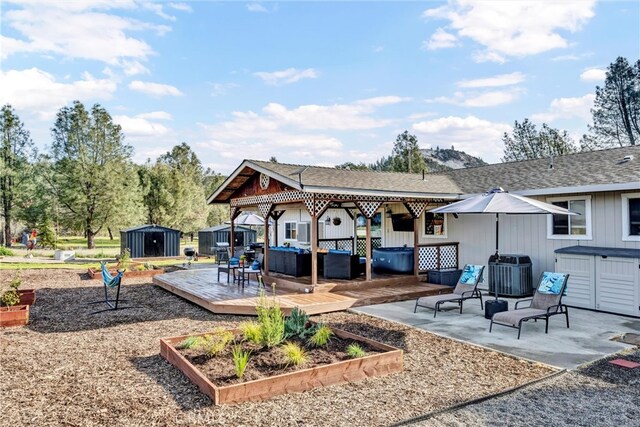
(393, 260)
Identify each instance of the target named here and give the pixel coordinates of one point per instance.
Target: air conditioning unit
(511, 275)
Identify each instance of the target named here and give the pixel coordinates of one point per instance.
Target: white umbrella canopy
(497, 201)
(248, 218)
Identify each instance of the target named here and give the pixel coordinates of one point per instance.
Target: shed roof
(148, 226)
(602, 170)
(227, 227)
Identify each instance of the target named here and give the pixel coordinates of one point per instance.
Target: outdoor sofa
(290, 261)
(340, 264)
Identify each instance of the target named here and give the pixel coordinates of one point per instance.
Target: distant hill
(441, 159)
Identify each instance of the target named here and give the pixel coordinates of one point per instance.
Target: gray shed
(150, 240)
(208, 238)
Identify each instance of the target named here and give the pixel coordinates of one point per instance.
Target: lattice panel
(428, 257)
(276, 198)
(327, 245)
(265, 209)
(264, 181)
(415, 208)
(340, 244)
(376, 242)
(234, 212)
(448, 256)
(317, 207)
(368, 209)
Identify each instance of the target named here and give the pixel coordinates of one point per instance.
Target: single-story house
(318, 207)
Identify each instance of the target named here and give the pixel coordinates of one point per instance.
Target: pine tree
(406, 154)
(526, 142)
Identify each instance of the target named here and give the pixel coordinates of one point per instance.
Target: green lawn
(81, 242)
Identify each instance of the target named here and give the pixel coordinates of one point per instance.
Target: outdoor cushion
(513, 317)
(470, 274)
(551, 283)
(339, 251)
(432, 300)
(234, 261)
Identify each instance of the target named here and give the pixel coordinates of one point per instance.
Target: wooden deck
(201, 287)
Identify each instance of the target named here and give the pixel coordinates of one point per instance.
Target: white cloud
(470, 134)
(567, 108)
(220, 89)
(38, 92)
(486, 99)
(256, 7)
(572, 57)
(156, 115)
(79, 29)
(440, 40)
(155, 89)
(140, 126)
(593, 75)
(494, 81)
(158, 9)
(290, 75)
(377, 49)
(184, 7)
(514, 28)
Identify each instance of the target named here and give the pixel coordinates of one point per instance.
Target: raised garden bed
(17, 315)
(27, 296)
(214, 375)
(97, 274)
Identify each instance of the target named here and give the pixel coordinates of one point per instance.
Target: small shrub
(251, 332)
(354, 351)
(6, 251)
(189, 342)
(294, 354)
(10, 297)
(297, 325)
(271, 320)
(321, 337)
(240, 360)
(147, 266)
(124, 260)
(215, 342)
(139, 267)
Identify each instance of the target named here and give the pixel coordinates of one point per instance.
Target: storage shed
(208, 238)
(150, 240)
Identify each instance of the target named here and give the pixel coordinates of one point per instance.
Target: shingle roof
(332, 178)
(591, 168)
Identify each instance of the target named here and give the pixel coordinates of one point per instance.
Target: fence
(437, 256)
(346, 244)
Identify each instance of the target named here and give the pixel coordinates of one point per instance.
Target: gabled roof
(590, 171)
(227, 227)
(318, 179)
(149, 227)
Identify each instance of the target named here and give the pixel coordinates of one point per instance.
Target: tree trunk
(91, 242)
(7, 231)
(110, 233)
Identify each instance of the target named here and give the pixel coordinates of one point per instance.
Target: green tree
(525, 142)
(353, 166)
(91, 173)
(616, 109)
(406, 155)
(273, 159)
(217, 213)
(16, 148)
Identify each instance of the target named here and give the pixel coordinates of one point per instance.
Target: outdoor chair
(113, 283)
(546, 302)
(254, 268)
(466, 288)
(228, 267)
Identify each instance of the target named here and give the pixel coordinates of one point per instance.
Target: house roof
(227, 227)
(318, 179)
(602, 170)
(151, 227)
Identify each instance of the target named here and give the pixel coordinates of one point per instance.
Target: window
(435, 225)
(631, 217)
(573, 227)
(290, 230)
(304, 232)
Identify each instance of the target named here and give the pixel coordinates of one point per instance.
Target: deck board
(201, 287)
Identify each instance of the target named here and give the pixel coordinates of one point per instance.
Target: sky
(317, 83)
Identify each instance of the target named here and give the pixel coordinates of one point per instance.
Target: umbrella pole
(497, 255)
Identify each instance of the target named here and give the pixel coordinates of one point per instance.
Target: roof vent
(625, 159)
(551, 162)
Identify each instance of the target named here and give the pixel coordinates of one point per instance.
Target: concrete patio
(588, 338)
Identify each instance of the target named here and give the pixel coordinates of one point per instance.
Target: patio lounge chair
(546, 302)
(466, 288)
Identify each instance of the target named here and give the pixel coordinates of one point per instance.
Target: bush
(240, 360)
(6, 251)
(294, 354)
(321, 337)
(271, 320)
(354, 351)
(11, 297)
(251, 332)
(215, 342)
(297, 325)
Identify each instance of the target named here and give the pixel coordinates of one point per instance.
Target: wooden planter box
(17, 315)
(27, 296)
(97, 274)
(305, 379)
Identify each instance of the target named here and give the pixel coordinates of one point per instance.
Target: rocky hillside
(445, 159)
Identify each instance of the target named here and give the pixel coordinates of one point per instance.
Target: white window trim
(587, 207)
(432, 236)
(625, 217)
(308, 224)
(284, 229)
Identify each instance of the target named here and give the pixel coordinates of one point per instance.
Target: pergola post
(314, 251)
(265, 252)
(368, 264)
(233, 214)
(416, 249)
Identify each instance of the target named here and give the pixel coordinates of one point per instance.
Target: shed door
(581, 290)
(617, 287)
(154, 244)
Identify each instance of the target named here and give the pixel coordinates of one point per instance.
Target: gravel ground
(71, 368)
(598, 394)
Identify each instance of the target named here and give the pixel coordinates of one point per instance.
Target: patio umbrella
(497, 201)
(248, 218)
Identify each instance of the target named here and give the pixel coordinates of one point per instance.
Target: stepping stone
(625, 363)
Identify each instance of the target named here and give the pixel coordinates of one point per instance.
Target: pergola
(270, 188)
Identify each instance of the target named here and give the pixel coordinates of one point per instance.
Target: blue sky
(312, 82)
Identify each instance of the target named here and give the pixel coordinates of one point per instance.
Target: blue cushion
(234, 261)
(255, 265)
(363, 260)
(339, 251)
(470, 274)
(551, 283)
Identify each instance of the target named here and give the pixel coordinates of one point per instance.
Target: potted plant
(243, 258)
(12, 313)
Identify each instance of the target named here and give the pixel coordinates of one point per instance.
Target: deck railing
(438, 256)
(347, 244)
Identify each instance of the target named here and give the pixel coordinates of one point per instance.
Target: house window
(631, 217)
(435, 225)
(304, 232)
(290, 230)
(573, 227)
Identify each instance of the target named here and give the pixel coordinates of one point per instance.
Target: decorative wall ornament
(368, 209)
(416, 208)
(264, 181)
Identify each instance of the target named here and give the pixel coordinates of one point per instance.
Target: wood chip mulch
(68, 367)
